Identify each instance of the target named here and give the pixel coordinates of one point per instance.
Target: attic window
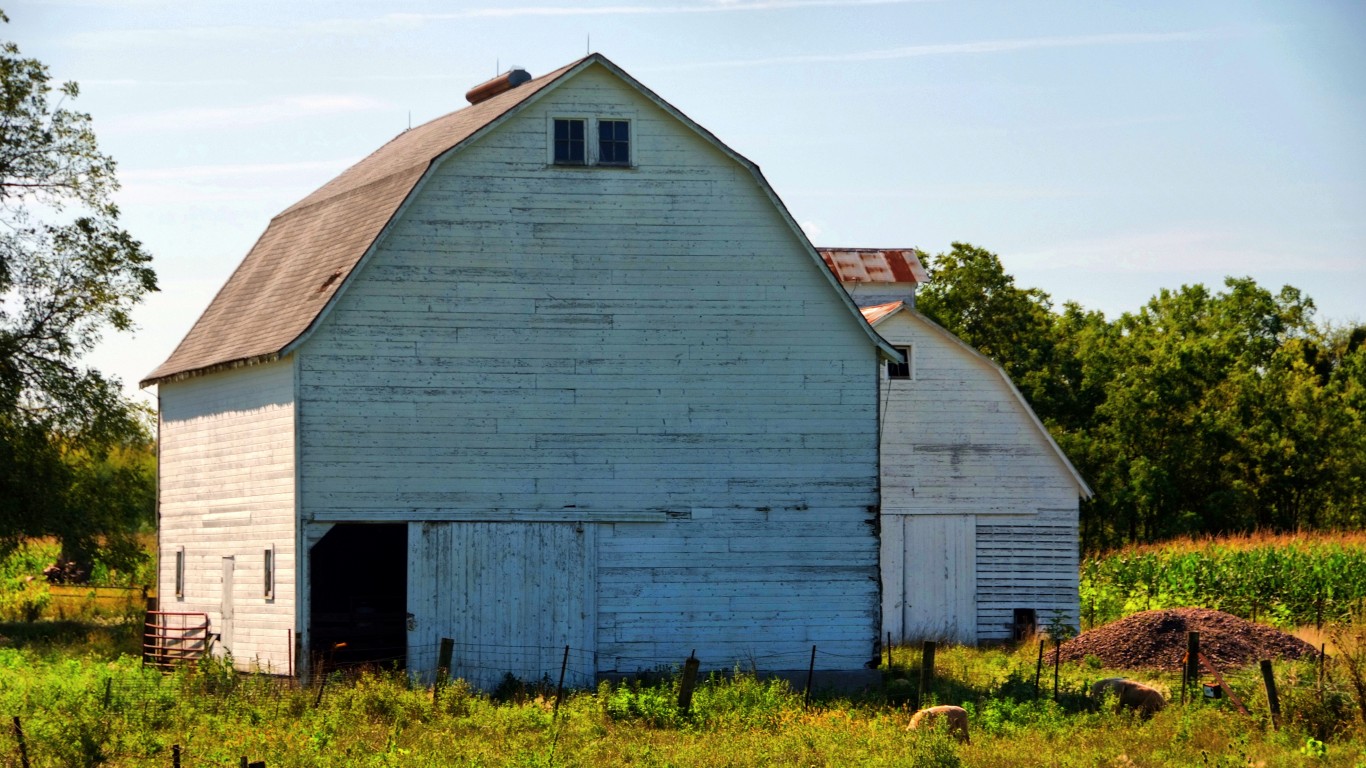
(571, 141)
(614, 142)
(897, 370)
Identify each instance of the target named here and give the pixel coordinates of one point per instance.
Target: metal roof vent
(500, 84)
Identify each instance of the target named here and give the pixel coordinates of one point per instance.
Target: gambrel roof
(300, 264)
(879, 313)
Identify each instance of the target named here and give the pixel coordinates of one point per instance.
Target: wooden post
(1038, 671)
(1322, 661)
(1272, 700)
(1192, 661)
(19, 737)
(926, 673)
(689, 681)
(322, 681)
(889, 650)
(108, 689)
(559, 689)
(443, 666)
(810, 673)
(1057, 663)
(289, 650)
(244, 761)
(175, 756)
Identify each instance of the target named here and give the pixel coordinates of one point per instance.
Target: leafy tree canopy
(68, 272)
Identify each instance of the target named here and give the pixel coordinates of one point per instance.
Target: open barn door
(929, 577)
(357, 595)
(511, 596)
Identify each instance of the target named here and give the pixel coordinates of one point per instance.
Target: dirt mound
(1157, 640)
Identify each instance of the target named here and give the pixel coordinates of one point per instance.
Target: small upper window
(614, 142)
(269, 563)
(571, 144)
(180, 572)
(897, 370)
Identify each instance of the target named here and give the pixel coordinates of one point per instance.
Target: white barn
(526, 377)
(979, 534)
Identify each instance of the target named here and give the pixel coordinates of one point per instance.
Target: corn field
(1286, 581)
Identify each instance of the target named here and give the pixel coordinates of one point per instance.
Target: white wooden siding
(956, 441)
(226, 482)
(603, 341)
(1027, 562)
(507, 612)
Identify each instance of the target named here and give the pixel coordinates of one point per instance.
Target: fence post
(1322, 661)
(1192, 662)
(810, 673)
(19, 737)
(443, 666)
(321, 672)
(689, 681)
(559, 689)
(1272, 699)
(926, 673)
(1057, 662)
(175, 756)
(889, 650)
(1038, 671)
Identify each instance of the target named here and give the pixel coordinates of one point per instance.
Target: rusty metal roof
(875, 313)
(308, 251)
(875, 265)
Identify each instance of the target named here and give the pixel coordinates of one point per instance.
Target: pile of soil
(1157, 640)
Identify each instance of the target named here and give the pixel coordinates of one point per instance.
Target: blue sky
(1104, 150)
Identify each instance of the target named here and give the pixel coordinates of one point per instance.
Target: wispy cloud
(387, 23)
(719, 6)
(1186, 250)
(964, 49)
(253, 171)
(275, 110)
(963, 193)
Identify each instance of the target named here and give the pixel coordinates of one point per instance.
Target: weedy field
(76, 692)
(83, 699)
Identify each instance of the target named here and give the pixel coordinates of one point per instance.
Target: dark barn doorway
(358, 596)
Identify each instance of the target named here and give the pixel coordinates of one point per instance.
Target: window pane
(570, 144)
(614, 146)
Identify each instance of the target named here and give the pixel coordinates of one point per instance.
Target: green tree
(971, 295)
(68, 272)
